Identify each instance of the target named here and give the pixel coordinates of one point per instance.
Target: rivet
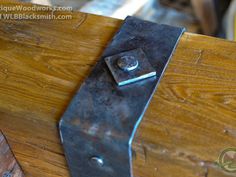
(96, 161)
(127, 63)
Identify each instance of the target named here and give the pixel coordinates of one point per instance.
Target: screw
(97, 161)
(127, 63)
(7, 174)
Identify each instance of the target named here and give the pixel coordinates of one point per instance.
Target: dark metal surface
(120, 69)
(98, 127)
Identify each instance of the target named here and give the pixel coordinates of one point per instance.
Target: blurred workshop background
(209, 17)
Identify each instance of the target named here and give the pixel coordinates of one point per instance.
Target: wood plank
(205, 11)
(191, 118)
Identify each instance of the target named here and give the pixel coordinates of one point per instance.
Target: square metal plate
(143, 70)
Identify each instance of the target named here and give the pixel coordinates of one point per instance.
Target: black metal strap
(99, 125)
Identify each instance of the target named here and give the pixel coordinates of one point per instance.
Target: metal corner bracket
(98, 127)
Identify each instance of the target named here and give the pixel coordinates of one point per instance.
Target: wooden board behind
(190, 120)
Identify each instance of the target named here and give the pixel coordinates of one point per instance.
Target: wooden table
(190, 120)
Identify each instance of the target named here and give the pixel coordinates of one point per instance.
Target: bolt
(127, 63)
(7, 174)
(97, 161)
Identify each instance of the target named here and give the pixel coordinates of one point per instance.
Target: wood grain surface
(190, 120)
(8, 164)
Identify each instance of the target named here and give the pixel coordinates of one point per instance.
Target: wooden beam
(190, 120)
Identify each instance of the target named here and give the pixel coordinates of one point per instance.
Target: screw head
(127, 63)
(96, 161)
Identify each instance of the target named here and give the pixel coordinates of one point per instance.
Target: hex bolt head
(96, 161)
(127, 63)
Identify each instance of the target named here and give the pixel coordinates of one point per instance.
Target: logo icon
(227, 160)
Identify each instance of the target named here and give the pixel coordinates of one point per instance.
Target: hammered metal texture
(102, 118)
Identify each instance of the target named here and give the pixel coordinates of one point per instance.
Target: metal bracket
(99, 125)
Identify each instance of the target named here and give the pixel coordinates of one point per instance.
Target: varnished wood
(190, 120)
(8, 164)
